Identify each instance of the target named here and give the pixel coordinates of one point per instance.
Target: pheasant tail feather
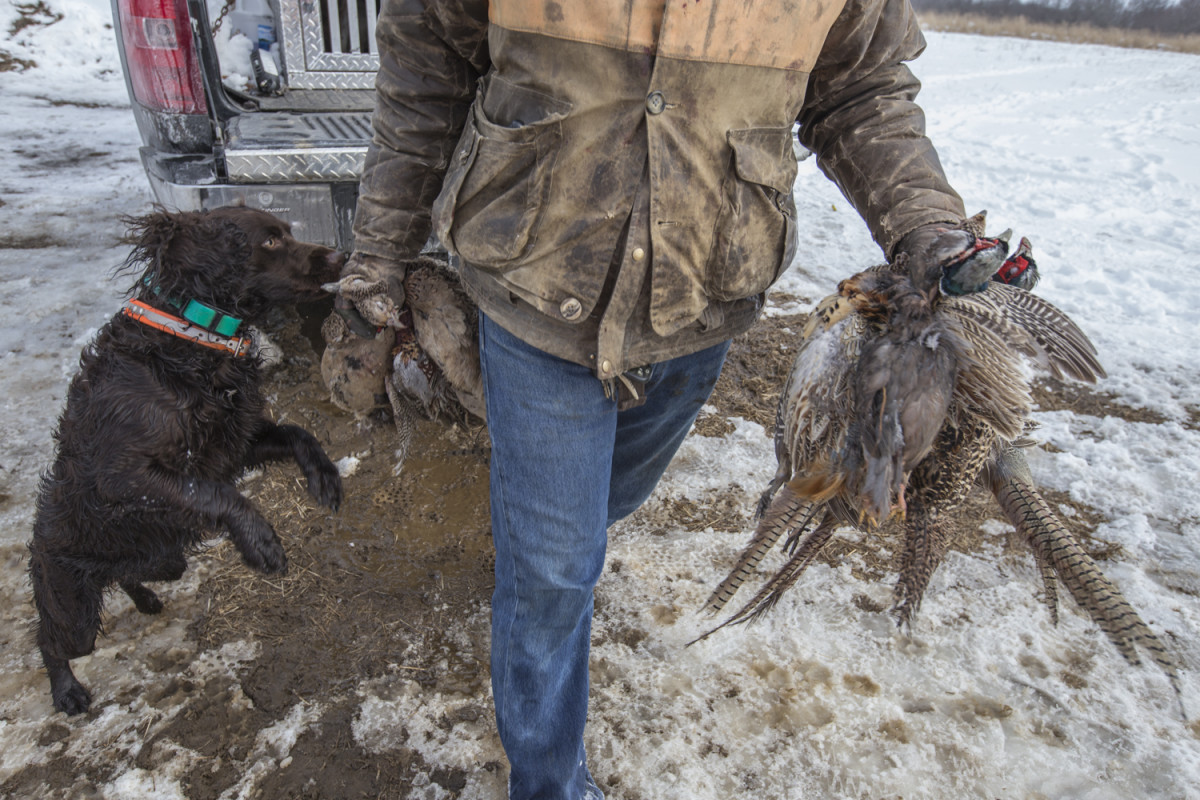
(926, 540)
(787, 575)
(1055, 546)
(785, 513)
(405, 416)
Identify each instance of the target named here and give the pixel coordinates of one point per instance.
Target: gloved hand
(370, 293)
(969, 259)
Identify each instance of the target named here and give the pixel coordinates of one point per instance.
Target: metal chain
(225, 9)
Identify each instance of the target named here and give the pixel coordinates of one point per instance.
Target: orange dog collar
(160, 320)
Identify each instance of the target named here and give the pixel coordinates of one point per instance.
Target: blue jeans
(565, 465)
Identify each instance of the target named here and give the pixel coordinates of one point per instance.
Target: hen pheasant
(355, 368)
(435, 368)
(420, 357)
(902, 397)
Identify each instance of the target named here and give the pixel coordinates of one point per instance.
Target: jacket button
(571, 309)
(606, 367)
(638, 254)
(656, 103)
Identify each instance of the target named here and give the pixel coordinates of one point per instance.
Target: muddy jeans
(565, 465)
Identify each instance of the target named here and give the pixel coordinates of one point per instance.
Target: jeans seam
(498, 480)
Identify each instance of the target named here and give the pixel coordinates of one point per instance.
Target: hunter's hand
(969, 261)
(370, 293)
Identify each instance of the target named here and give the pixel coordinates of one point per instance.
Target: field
(1077, 33)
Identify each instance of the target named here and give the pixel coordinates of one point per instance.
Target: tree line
(1160, 16)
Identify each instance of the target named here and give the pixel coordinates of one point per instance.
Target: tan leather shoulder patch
(778, 34)
(782, 34)
(627, 24)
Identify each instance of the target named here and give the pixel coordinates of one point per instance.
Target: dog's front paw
(68, 694)
(268, 558)
(260, 547)
(144, 599)
(325, 484)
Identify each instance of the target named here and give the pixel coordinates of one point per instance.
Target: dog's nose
(335, 259)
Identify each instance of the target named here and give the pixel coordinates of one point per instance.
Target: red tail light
(161, 58)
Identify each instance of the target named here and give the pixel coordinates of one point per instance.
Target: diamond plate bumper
(317, 212)
(298, 166)
(297, 148)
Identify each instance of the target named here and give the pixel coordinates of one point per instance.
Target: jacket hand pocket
(754, 240)
(496, 188)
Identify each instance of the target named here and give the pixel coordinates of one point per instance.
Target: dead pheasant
(435, 368)
(418, 353)
(901, 398)
(355, 368)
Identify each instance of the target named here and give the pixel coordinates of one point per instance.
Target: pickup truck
(291, 140)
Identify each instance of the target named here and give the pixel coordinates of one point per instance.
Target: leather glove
(969, 260)
(370, 293)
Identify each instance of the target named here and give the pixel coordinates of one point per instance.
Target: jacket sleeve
(861, 120)
(431, 53)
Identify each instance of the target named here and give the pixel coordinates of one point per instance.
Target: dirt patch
(987, 24)
(37, 241)
(10, 63)
(370, 591)
(757, 367)
(36, 162)
(32, 15)
(1082, 398)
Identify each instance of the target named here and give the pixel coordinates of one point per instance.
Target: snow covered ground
(1091, 152)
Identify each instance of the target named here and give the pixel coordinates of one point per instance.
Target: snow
(1089, 151)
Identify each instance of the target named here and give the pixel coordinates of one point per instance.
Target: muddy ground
(372, 590)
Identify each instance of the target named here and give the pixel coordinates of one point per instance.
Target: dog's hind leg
(68, 606)
(69, 695)
(144, 599)
(277, 442)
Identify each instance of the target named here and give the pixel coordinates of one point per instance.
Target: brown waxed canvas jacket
(616, 175)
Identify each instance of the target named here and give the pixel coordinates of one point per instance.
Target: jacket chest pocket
(754, 239)
(497, 187)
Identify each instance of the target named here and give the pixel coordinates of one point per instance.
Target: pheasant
(414, 348)
(903, 395)
(355, 368)
(435, 368)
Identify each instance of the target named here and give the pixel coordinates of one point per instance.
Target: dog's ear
(185, 254)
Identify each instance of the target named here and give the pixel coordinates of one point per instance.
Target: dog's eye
(272, 242)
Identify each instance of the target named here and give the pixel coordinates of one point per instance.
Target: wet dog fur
(157, 428)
